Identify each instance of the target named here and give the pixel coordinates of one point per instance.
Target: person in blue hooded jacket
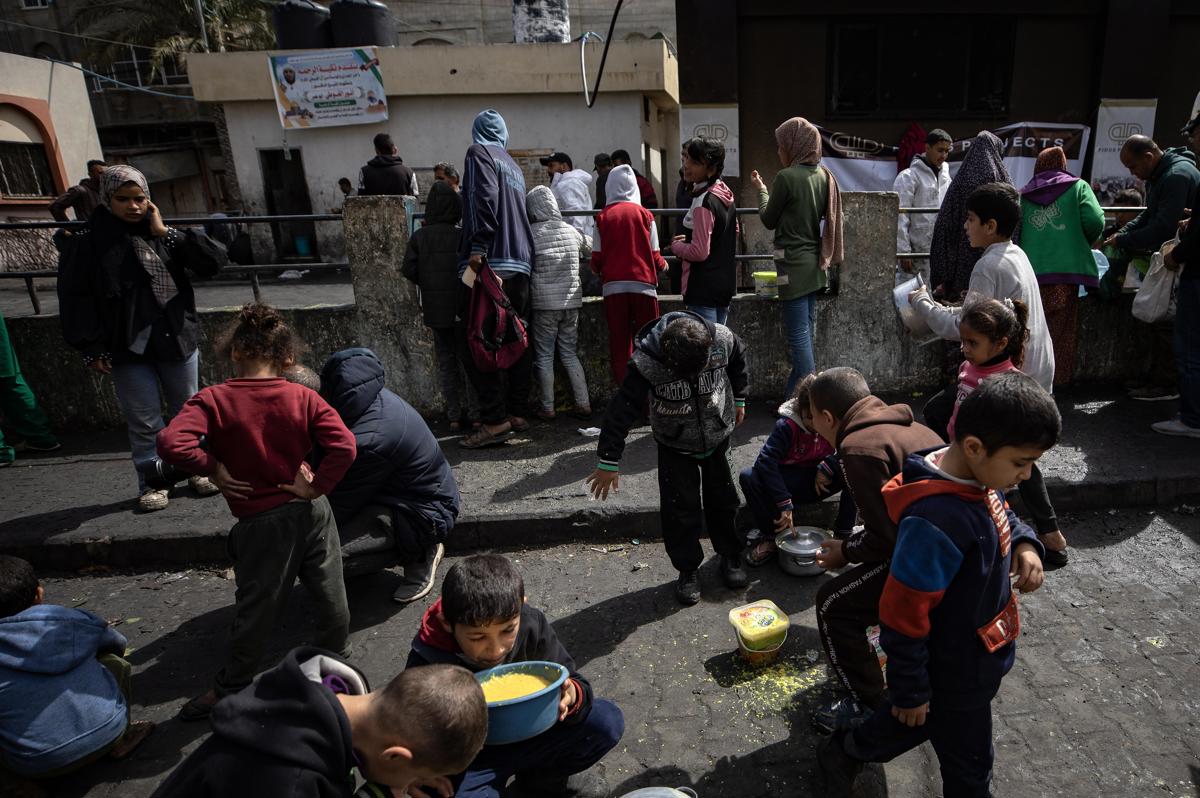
(64, 688)
(495, 229)
(399, 500)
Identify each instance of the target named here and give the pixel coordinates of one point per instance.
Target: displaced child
(431, 261)
(948, 613)
(1002, 272)
(694, 373)
(872, 439)
(259, 428)
(625, 255)
(795, 466)
(64, 687)
(312, 726)
(557, 296)
(708, 245)
(481, 621)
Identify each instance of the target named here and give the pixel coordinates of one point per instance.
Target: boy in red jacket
(628, 263)
(257, 430)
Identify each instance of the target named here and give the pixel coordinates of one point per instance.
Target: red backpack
(495, 333)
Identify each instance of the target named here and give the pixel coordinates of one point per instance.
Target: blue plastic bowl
(528, 716)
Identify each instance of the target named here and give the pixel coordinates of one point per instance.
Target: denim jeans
(798, 316)
(561, 327)
(1187, 349)
(137, 386)
(715, 315)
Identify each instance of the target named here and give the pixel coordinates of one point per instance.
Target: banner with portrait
(326, 88)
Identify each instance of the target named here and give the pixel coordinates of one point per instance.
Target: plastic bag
(915, 324)
(1155, 299)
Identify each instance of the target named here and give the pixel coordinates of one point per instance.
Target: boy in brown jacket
(873, 439)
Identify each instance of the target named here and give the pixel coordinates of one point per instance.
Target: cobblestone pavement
(1102, 700)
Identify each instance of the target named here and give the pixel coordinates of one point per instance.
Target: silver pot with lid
(662, 792)
(798, 549)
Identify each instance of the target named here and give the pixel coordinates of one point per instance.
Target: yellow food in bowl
(512, 685)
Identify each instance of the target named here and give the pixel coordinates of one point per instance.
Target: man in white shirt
(570, 188)
(922, 185)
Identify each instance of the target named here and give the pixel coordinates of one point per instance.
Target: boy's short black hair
(686, 345)
(998, 201)
(837, 390)
(95, 162)
(383, 143)
(621, 156)
(436, 711)
(447, 169)
(1128, 197)
(936, 135)
(344, 181)
(18, 585)
(482, 589)
(1009, 409)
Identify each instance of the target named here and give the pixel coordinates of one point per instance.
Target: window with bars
(25, 170)
(35, 3)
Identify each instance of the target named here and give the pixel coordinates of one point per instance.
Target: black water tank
(362, 23)
(302, 25)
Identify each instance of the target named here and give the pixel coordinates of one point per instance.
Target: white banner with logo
(716, 122)
(326, 88)
(1116, 121)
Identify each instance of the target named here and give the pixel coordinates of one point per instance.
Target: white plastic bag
(915, 324)
(1155, 299)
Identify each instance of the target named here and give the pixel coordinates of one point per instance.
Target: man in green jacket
(1171, 179)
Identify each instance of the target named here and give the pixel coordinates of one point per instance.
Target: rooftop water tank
(302, 25)
(362, 23)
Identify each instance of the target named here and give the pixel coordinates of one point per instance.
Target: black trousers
(847, 606)
(501, 393)
(697, 495)
(938, 410)
(961, 738)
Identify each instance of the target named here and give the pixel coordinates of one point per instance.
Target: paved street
(1102, 700)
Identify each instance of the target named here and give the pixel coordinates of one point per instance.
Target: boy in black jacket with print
(482, 621)
(948, 616)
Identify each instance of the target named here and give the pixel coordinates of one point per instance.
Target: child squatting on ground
(949, 618)
(64, 687)
(258, 428)
(796, 466)
(312, 726)
(694, 373)
(481, 621)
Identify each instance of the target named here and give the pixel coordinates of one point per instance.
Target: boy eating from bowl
(948, 615)
(481, 621)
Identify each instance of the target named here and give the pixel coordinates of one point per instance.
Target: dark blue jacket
(949, 578)
(494, 221)
(399, 462)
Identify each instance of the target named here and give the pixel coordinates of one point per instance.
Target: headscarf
(161, 281)
(117, 175)
(489, 128)
(951, 258)
(621, 186)
(801, 142)
(1051, 159)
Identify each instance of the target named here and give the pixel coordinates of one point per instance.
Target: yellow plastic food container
(760, 624)
(765, 284)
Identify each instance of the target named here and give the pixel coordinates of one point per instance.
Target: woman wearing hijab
(803, 195)
(1061, 218)
(126, 303)
(951, 257)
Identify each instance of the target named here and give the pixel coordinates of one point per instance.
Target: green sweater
(793, 209)
(1057, 235)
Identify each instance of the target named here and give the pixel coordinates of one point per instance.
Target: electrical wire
(122, 84)
(595, 91)
(75, 35)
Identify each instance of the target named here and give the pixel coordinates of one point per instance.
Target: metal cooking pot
(662, 792)
(798, 550)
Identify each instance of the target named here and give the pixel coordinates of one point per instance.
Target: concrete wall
(856, 327)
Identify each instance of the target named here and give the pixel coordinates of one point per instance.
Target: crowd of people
(329, 473)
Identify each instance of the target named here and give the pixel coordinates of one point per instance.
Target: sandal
(199, 707)
(481, 438)
(518, 424)
(760, 553)
(135, 734)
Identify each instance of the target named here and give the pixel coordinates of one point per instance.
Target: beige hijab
(801, 142)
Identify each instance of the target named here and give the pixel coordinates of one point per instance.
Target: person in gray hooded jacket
(556, 295)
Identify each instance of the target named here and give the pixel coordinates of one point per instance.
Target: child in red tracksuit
(948, 615)
(251, 435)
(625, 254)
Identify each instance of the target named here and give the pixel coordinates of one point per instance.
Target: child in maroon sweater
(251, 435)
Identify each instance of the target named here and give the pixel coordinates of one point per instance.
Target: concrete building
(433, 95)
(47, 134)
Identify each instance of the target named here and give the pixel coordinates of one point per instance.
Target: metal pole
(200, 22)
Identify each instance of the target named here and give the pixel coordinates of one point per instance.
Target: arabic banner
(325, 88)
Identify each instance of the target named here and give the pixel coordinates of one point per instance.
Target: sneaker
(1153, 393)
(732, 573)
(152, 500)
(839, 768)
(203, 486)
(841, 714)
(38, 446)
(687, 589)
(1175, 426)
(418, 577)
